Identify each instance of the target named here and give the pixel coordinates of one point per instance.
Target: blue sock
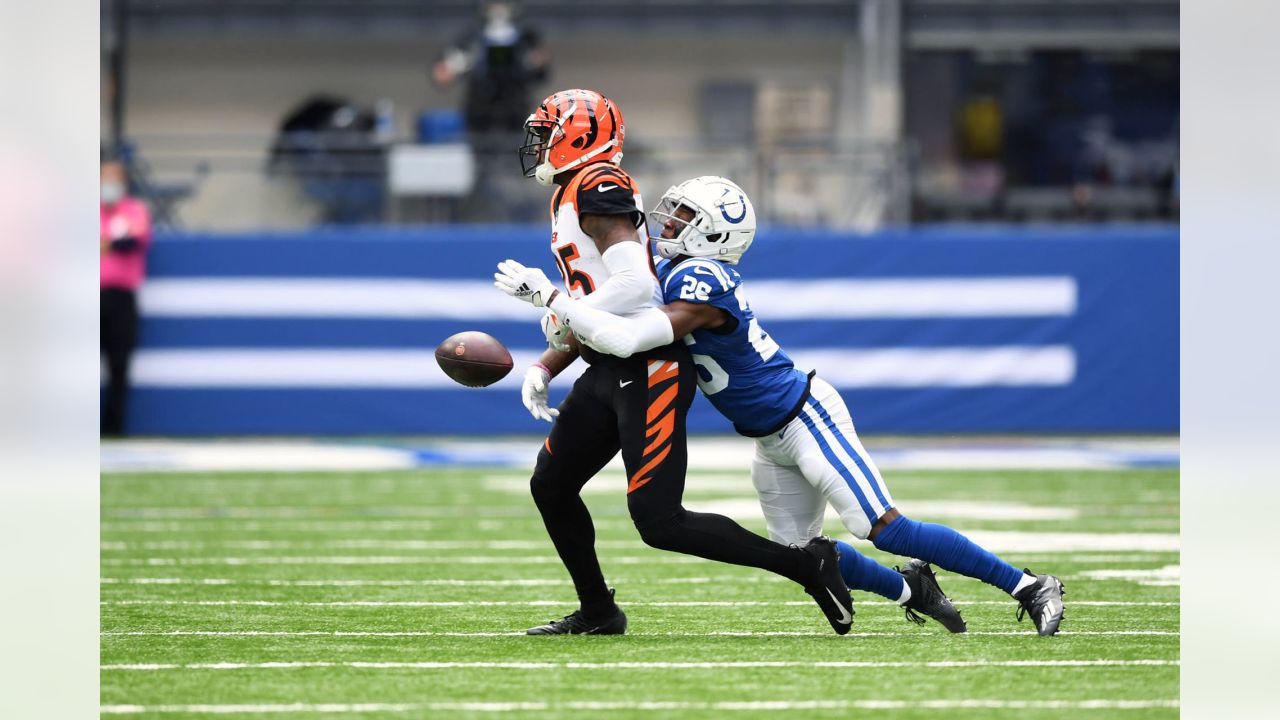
(862, 573)
(948, 549)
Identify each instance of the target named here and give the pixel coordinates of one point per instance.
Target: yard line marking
(505, 707)
(521, 633)
(448, 582)
(655, 559)
(284, 512)
(178, 526)
(508, 665)
(527, 582)
(539, 603)
(358, 544)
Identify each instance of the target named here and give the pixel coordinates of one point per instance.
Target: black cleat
(576, 623)
(1043, 601)
(928, 599)
(827, 586)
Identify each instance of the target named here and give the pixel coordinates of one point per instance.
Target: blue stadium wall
(939, 330)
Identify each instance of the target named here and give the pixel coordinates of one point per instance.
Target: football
(474, 359)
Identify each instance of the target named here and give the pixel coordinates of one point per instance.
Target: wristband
(545, 369)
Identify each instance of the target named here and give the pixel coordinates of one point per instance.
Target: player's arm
(608, 214)
(623, 336)
(631, 283)
(555, 361)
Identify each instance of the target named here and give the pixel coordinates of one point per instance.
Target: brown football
(474, 359)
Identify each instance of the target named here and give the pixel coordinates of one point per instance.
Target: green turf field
(405, 594)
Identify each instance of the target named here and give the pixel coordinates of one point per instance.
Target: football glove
(524, 283)
(556, 332)
(534, 393)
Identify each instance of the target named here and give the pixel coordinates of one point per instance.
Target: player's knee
(662, 534)
(543, 486)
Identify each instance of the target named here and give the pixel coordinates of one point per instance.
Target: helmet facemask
(685, 229)
(540, 135)
(694, 209)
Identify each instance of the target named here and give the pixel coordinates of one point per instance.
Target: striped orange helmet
(570, 129)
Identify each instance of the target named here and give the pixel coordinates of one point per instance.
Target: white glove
(534, 393)
(556, 332)
(528, 284)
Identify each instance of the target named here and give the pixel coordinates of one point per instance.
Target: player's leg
(793, 511)
(651, 414)
(828, 421)
(582, 440)
(119, 336)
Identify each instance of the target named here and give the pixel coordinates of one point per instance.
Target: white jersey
(603, 189)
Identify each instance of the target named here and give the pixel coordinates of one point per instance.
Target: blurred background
(969, 208)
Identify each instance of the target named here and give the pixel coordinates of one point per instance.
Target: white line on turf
(580, 705)
(429, 665)
(521, 633)
(538, 603)
(655, 559)
(309, 512)
(361, 544)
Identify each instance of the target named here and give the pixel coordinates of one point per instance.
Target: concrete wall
(240, 88)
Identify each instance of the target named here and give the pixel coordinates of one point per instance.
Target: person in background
(124, 237)
(499, 60)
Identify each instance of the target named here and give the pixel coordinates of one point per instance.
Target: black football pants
(118, 316)
(638, 406)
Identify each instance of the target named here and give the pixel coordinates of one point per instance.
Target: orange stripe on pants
(638, 482)
(663, 429)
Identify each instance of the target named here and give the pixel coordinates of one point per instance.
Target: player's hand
(557, 334)
(534, 393)
(528, 284)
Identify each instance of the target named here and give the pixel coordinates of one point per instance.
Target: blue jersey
(741, 370)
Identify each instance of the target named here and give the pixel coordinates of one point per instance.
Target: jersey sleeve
(607, 190)
(702, 281)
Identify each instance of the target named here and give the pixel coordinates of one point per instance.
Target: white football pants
(817, 459)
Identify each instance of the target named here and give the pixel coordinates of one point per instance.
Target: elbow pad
(630, 285)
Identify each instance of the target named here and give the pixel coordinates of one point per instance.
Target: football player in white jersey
(807, 451)
(635, 404)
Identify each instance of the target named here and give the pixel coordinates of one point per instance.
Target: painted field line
(178, 526)
(436, 582)
(429, 665)
(358, 544)
(542, 603)
(521, 633)
(309, 512)
(728, 706)
(656, 559)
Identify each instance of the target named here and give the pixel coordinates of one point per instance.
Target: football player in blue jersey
(807, 451)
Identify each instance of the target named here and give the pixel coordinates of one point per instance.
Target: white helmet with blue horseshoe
(711, 217)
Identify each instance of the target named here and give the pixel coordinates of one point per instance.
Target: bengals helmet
(722, 226)
(568, 130)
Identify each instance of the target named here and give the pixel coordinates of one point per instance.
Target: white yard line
(656, 559)
(309, 512)
(728, 706)
(430, 665)
(540, 603)
(520, 633)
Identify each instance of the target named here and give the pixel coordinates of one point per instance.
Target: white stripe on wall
(417, 369)
(1001, 366)
(329, 298)
(821, 299)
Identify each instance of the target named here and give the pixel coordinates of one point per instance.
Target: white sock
(906, 593)
(1027, 580)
